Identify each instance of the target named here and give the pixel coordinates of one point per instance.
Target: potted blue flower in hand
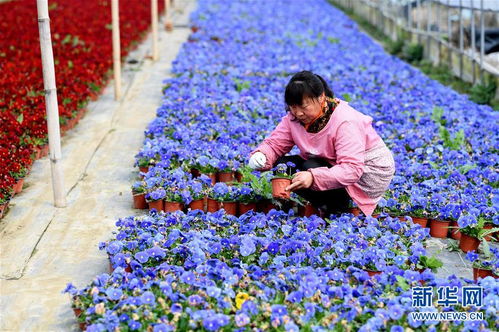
(280, 181)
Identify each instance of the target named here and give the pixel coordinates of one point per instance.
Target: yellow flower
(240, 299)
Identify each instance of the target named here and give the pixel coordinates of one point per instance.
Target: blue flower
(134, 325)
(472, 256)
(114, 247)
(114, 293)
(241, 319)
(148, 298)
(162, 328)
(396, 312)
(142, 256)
(247, 246)
(176, 308)
(279, 310)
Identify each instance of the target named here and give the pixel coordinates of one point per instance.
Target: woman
(341, 155)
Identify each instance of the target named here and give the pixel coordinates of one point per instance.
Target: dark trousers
(333, 201)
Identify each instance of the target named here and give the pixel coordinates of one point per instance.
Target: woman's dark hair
(305, 84)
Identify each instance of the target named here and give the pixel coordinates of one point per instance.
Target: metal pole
(482, 40)
(461, 41)
(154, 28)
(52, 108)
(473, 42)
(116, 49)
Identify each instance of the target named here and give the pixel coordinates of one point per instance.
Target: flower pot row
(443, 228)
(227, 177)
(211, 205)
(483, 273)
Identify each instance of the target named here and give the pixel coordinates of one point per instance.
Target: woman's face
(308, 110)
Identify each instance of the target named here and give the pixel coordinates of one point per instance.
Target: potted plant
(221, 196)
(472, 232)
(281, 180)
(454, 230)
(246, 198)
(155, 198)
(19, 177)
(4, 202)
(354, 209)
(204, 165)
(420, 216)
(144, 164)
(139, 195)
(174, 199)
(305, 208)
(484, 265)
(260, 184)
(439, 228)
(198, 191)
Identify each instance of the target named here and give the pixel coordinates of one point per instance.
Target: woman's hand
(301, 180)
(257, 160)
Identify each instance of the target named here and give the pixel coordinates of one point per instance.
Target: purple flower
(114, 293)
(279, 310)
(176, 308)
(156, 252)
(247, 246)
(188, 277)
(162, 328)
(242, 319)
(195, 300)
(214, 322)
(466, 220)
(396, 312)
(148, 298)
(471, 256)
(142, 256)
(114, 247)
(134, 325)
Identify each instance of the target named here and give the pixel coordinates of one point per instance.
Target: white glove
(257, 160)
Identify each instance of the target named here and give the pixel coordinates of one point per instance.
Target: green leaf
(437, 114)
(402, 283)
(20, 118)
(333, 40)
(466, 168)
(347, 97)
(109, 26)
(431, 262)
(66, 39)
(70, 64)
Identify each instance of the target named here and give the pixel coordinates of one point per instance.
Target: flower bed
(212, 271)
(215, 271)
(215, 113)
(83, 61)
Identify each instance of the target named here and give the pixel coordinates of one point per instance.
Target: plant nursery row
(82, 46)
(202, 265)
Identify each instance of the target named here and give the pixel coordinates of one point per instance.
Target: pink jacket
(343, 142)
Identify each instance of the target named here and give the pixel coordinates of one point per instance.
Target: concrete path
(44, 248)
